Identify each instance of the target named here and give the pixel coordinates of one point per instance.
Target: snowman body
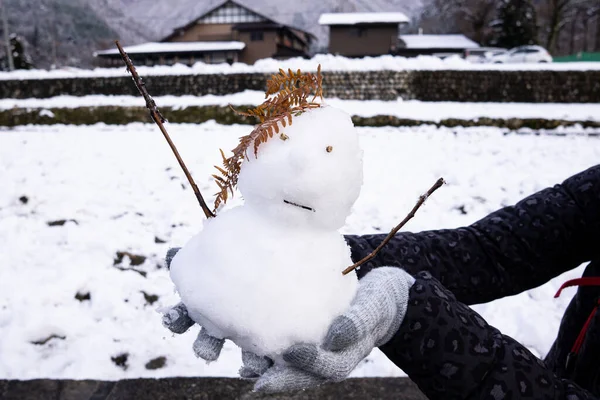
(268, 274)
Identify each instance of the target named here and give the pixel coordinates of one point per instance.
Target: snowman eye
(329, 149)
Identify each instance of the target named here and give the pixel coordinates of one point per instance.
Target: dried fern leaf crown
(288, 95)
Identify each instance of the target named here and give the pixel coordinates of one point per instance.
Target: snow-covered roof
(438, 42)
(176, 47)
(363, 18)
(186, 9)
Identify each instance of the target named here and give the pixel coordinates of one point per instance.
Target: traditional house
(363, 34)
(441, 45)
(230, 32)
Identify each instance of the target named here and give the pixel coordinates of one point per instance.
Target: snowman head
(308, 176)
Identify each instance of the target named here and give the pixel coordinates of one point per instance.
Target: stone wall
(507, 86)
(116, 115)
(443, 85)
(202, 389)
(157, 85)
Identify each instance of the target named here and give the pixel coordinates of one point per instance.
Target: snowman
(267, 274)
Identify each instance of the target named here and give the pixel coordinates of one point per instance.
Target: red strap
(590, 281)
(579, 341)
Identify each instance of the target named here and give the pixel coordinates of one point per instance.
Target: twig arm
(159, 120)
(389, 237)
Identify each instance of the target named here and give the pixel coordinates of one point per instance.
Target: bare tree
(438, 16)
(595, 12)
(9, 55)
(563, 25)
(587, 14)
(559, 13)
(477, 16)
(469, 17)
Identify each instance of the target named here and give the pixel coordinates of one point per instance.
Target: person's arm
(445, 347)
(450, 352)
(511, 250)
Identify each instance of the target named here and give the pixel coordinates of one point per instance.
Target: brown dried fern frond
(287, 96)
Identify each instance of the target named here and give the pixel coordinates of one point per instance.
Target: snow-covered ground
(328, 62)
(410, 109)
(123, 190)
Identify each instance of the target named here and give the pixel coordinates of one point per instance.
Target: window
(479, 53)
(217, 58)
(358, 32)
(256, 36)
(230, 13)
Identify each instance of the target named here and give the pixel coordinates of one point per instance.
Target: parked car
(523, 54)
(481, 55)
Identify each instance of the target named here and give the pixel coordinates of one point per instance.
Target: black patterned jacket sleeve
(511, 250)
(450, 352)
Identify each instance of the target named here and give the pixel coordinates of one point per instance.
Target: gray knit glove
(207, 347)
(373, 318)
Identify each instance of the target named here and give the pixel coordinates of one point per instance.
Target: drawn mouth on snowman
(291, 203)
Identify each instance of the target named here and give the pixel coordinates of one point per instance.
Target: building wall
(375, 40)
(305, 37)
(214, 57)
(289, 40)
(404, 52)
(257, 49)
(206, 32)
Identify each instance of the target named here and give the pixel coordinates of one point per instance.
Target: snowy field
(120, 189)
(328, 62)
(410, 109)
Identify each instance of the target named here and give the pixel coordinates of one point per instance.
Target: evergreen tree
(20, 58)
(516, 24)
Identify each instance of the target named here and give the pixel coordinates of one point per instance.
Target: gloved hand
(373, 318)
(207, 347)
